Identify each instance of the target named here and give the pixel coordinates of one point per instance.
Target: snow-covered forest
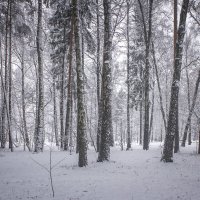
(99, 99)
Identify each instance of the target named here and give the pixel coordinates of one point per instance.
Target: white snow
(130, 175)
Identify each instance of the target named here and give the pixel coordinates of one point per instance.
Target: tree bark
(176, 143)
(39, 140)
(10, 79)
(173, 111)
(55, 110)
(69, 89)
(128, 79)
(26, 137)
(98, 79)
(147, 38)
(106, 91)
(81, 114)
(199, 136)
(62, 94)
(3, 127)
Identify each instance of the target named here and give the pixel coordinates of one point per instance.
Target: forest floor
(130, 175)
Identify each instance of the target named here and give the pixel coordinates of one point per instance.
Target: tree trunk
(121, 136)
(141, 107)
(62, 106)
(128, 80)
(81, 115)
(191, 111)
(98, 79)
(3, 127)
(147, 38)
(39, 140)
(10, 79)
(55, 110)
(106, 91)
(199, 136)
(26, 137)
(69, 90)
(173, 111)
(159, 89)
(152, 114)
(62, 95)
(176, 143)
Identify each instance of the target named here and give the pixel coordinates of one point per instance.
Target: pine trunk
(39, 140)
(10, 79)
(81, 114)
(55, 111)
(26, 137)
(173, 111)
(106, 91)
(147, 38)
(98, 78)
(128, 80)
(3, 127)
(176, 143)
(69, 91)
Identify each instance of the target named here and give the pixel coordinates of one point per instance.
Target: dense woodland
(83, 74)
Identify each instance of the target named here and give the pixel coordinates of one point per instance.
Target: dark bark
(81, 114)
(176, 143)
(152, 115)
(26, 137)
(147, 38)
(55, 119)
(199, 136)
(10, 79)
(173, 111)
(141, 107)
(39, 140)
(62, 95)
(3, 120)
(128, 80)
(106, 91)
(98, 78)
(69, 90)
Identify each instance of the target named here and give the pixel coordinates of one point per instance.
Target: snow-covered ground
(130, 175)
